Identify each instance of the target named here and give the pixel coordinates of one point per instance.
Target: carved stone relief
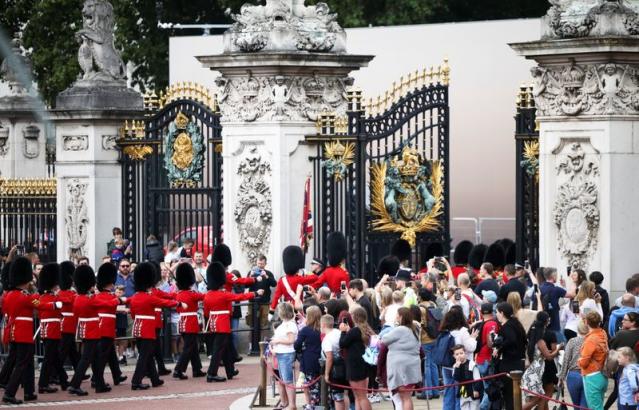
(109, 142)
(588, 89)
(75, 142)
(576, 211)
(253, 212)
(76, 219)
(281, 97)
(583, 18)
(31, 147)
(4, 140)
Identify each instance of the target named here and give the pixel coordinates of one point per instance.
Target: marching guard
(159, 321)
(69, 323)
(293, 260)
(334, 275)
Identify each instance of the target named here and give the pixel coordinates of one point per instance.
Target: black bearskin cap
(505, 243)
(433, 250)
(335, 248)
(293, 259)
(215, 276)
(6, 283)
(107, 275)
(389, 265)
(144, 276)
(21, 272)
(185, 276)
(462, 250)
(67, 268)
(158, 272)
(401, 248)
(477, 255)
(496, 255)
(84, 279)
(511, 254)
(222, 254)
(49, 277)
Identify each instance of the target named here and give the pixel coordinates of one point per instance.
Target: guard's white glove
(58, 305)
(270, 317)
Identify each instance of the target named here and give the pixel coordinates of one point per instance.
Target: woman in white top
(525, 316)
(589, 299)
(282, 345)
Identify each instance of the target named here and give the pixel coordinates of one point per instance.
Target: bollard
(262, 393)
(323, 386)
(516, 378)
(256, 332)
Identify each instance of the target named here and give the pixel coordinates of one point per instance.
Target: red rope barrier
(554, 400)
(279, 379)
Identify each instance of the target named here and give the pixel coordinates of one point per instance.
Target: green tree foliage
(48, 28)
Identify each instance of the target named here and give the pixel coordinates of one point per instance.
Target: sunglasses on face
(125, 266)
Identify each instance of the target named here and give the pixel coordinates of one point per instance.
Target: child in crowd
(282, 345)
(466, 370)
(628, 379)
(309, 344)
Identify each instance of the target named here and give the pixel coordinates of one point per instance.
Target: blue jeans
(575, 385)
(483, 372)
(431, 373)
(235, 323)
(286, 367)
(561, 338)
(451, 401)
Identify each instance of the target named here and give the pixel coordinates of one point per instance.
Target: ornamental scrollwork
(76, 218)
(584, 18)
(253, 209)
(137, 152)
(576, 211)
(338, 157)
(530, 163)
(407, 195)
(184, 152)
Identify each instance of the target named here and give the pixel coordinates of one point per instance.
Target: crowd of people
(402, 338)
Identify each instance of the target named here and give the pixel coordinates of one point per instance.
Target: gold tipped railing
(328, 124)
(525, 98)
(27, 187)
(181, 90)
(412, 81)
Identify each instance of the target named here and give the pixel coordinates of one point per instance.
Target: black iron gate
(527, 177)
(172, 170)
(382, 172)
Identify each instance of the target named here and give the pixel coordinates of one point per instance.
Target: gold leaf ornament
(338, 157)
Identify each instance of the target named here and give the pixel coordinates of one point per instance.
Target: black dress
(356, 367)
(550, 368)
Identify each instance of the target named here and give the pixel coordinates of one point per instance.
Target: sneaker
(375, 398)
(386, 397)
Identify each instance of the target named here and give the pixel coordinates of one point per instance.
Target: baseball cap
(489, 295)
(486, 308)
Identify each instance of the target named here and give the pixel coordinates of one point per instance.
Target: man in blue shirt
(627, 306)
(550, 295)
(125, 282)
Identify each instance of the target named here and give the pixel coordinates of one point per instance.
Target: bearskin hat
(433, 250)
(222, 254)
(107, 275)
(67, 268)
(462, 250)
(215, 276)
(477, 255)
(511, 254)
(185, 276)
(389, 265)
(84, 279)
(158, 272)
(21, 272)
(293, 259)
(505, 243)
(496, 255)
(144, 276)
(401, 248)
(4, 276)
(335, 248)
(49, 277)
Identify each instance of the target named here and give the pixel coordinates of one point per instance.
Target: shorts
(174, 329)
(286, 367)
(336, 394)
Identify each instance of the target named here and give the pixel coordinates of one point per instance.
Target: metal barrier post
(323, 385)
(257, 329)
(262, 393)
(166, 335)
(516, 378)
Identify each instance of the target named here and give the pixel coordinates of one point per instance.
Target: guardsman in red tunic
(222, 254)
(69, 324)
(159, 322)
(334, 275)
(142, 305)
(188, 324)
(293, 261)
(18, 306)
(218, 306)
(86, 307)
(50, 330)
(107, 274)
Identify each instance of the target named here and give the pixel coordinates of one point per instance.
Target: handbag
(560, 396)
(338, 371)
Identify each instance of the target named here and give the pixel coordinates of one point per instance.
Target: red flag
(306, 231)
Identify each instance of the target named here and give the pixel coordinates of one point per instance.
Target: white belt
(110, 315)
(88, 319)
(219, 312)
(158, 309)
(144, 317)
(67, 314)
(25, 318)
(50, 320)
(183, 314)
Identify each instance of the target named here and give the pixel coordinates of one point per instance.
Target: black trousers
(145, 364)
(190, 353)
(23, 371)
(69, 349)
(220, 353)
(90, 352)
(8, 365)
(157, 350)
(51, 363)
(109, 356)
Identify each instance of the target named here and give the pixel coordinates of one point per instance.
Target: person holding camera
(509, 347)
(268, 282)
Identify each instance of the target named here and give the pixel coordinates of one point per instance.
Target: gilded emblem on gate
(407, 195)
(184, 152)
(338, 157)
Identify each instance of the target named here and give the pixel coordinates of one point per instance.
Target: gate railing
(28, 216)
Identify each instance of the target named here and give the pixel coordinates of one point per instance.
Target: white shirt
(171, 256)
(463, 302)
(281, 332)
(330, 343)
(462, 337)
(390, 314)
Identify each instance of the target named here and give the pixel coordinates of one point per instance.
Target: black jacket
(512, 348)
(265, 284)
(153, 251)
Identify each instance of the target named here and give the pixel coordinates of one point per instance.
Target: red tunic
(106, 314)
(18, 307)
(218, 307)
(333, 276)
(69, 322)
(143, 305)
(231, 280)
(159, 319)
(188, 317)
(85, 309)
(457, 270)
(50, 319)
(293, 281)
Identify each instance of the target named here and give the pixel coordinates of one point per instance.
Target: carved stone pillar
(586, 88)
(283, 65)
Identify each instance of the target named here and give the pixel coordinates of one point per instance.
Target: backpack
(371, 354)
(473, 310)
(442, 352)
(434, 319)
(480, 326)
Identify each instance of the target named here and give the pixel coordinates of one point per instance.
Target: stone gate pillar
(283, 64)
(88, 116)
(586, 89)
